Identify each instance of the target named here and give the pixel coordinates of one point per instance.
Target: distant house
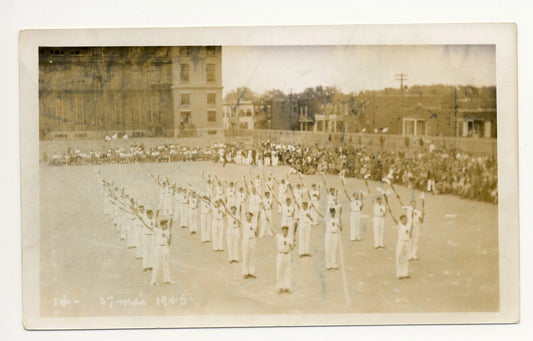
(239, 115)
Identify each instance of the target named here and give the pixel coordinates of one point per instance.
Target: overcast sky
(355, 68)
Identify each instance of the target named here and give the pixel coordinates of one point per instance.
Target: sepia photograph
(232, 182)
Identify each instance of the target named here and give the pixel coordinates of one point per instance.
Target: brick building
(92, 92)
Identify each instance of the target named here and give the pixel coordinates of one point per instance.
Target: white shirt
(218, 214)
(355, 205)
(413, 217)
(204, 208)
(403, 232)
(332, 199)
(232, 223)
(248, 230)
(284, 243)
(303, 216)
(379, 210)
(267, 202)
(161, 237)
(288, 211)
(332, 224)
(255, 200)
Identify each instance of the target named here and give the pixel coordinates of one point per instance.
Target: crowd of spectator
(440, 171)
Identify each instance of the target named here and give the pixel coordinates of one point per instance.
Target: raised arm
(294, 196)
(344, 189)
(391, 214)
(316, 210)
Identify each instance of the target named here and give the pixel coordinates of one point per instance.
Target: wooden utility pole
(401, 77)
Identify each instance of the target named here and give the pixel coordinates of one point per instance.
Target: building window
(184, 73)
(211, 132)
(77, 107)
(154, 109)
(211, 116)
(185, 117)
(210, 71)
(210, 50)
(212, 99)
(185, 99)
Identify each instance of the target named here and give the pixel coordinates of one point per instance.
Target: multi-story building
(92, 92)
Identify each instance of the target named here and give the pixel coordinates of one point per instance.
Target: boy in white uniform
(356, 206)
(379, 222)
(184, 203)
(161, 252)
(331, 240)
(283, 261)
(205, 220)
(266, 217)
(305, 219)
(404, 228)
(287, 216)
(233, 235)
(416, 219)
(218, 226)
(193, 213)
(148, 242)
(249, 232)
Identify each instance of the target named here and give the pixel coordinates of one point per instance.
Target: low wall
(376, 142)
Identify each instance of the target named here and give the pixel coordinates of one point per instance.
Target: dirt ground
(86, 270)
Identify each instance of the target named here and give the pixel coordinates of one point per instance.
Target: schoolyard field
(86, 270)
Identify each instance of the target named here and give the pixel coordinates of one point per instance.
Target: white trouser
(205, 227)
(379, 229)
(232, 240)
(355, 225)
(332, 241)
(161, 260)
(218, 234)
(184, 219)
(266, 224)
(304, 236)
(147, 245)
(193, 220)
(283, 271)
(413, 242)
(123, 225)
(167, 206)
(131, 233)
(139, 241)
(248, 256)
(402, 262)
